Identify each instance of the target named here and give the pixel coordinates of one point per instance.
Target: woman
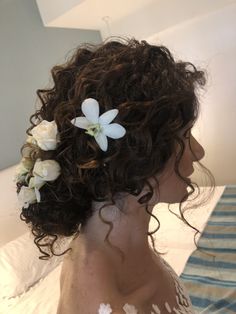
(113, 139)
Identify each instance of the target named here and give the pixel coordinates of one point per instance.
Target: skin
(130, 231)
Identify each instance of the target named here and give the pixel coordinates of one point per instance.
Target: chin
(185, 196)
(182, 197)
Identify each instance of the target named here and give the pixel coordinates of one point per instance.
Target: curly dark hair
(156, 97)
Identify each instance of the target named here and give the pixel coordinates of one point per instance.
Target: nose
(197, 149)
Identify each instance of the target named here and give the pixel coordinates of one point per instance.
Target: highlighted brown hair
(156, 97)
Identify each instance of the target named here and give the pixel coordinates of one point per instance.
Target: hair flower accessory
(99, 127)
(26, 196)
(22, 169)
(31, 140)
(36, 174)
(46, 170)
(45, 135)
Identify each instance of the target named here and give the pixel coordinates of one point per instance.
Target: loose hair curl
(156, 97)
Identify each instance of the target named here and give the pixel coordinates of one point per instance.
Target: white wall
(209, 41)
(28, 51)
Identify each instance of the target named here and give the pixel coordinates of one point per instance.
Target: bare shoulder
(90, 300)
(89, 288)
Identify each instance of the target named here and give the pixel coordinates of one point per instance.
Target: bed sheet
(11, 226)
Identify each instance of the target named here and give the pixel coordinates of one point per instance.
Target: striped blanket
(211, 280)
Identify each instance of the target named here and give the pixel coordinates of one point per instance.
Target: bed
(29, 285)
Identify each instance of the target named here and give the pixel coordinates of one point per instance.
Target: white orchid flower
(96, 126)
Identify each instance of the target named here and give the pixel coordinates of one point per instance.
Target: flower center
(94, 129)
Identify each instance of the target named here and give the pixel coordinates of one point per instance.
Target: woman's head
(156, 97)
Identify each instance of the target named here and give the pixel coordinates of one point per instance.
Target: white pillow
(20, 266)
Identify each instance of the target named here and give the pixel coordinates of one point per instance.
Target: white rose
(26, 151)
(26, 196)
(31, 140)
(20, 173)
(36, 182)
(22, 169)
(46, 135)
(27, 163)
(47, 170)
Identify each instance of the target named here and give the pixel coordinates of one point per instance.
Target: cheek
(186, 161)
(183, 162)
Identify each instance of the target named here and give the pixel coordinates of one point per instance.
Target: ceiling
(139, 18)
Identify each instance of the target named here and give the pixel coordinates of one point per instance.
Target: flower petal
(45, 144)
(31, 140)
(81, 122)
(114, 130)
(36, 181)
(90, 109)
(37, 193)
(108, 116)
(46, 170)
(45, 134)
(26, 196)
(101, 139)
